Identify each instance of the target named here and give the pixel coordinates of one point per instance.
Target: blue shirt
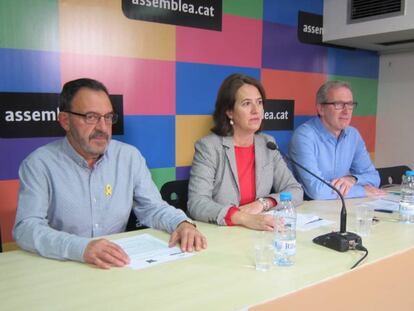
(63, 203)
(317, 149)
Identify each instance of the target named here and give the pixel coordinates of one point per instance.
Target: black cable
(360, 248)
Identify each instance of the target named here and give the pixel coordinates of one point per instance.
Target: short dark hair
(70, 89)
(226, 98)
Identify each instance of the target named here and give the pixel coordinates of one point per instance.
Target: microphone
(340, 241)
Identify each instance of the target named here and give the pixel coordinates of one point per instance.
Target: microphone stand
(340, 241)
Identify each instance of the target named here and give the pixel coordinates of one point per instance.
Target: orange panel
(8, 193)
(299, 86)
(189, 129)
(366, 126)
(100, 27)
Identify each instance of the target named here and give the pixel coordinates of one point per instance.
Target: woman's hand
(253, 221)
(252, 208)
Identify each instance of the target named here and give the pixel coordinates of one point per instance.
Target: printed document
(146, 251)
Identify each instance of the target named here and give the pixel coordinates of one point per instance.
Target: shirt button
(96, 225)
(94, 200)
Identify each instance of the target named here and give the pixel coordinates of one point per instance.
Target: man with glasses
(332, 149)
(85, 186)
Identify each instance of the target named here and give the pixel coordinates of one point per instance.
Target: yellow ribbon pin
(108, 190)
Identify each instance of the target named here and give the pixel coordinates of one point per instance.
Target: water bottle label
(287, 247)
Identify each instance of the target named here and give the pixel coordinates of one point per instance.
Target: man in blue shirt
(85, 186)
(328, 146)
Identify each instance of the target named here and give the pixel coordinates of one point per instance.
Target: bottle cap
(284, 196)
(409, 173)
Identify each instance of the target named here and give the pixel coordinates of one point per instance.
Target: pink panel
(148, 86)
(238, 44)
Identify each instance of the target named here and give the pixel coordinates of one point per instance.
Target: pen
(312, 221)
(383, 211)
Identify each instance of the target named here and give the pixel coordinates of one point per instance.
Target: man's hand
(105, 254)
(189, 237)
(372, 191)
(344, 184)
(261, 222)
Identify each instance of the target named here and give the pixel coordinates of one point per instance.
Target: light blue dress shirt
(63, 203)
(317, 149)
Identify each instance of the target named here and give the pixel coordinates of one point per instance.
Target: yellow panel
(11, 246)
(189, 129)
(372, 155)
(100, 27)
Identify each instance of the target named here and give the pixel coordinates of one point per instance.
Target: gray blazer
(214, 184)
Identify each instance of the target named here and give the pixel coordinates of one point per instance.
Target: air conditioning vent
(364, 10)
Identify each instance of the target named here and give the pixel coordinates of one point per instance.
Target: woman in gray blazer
(235, 177)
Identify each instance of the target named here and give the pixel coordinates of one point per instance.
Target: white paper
(146, 251)
(305, 222)
(391, 197)
(382, 204)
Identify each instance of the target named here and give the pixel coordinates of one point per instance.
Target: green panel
(162, 175)
(246, 8)
(365, 92)
(29, 24)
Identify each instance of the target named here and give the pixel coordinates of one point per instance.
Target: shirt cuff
(273, 201)
(232, 210)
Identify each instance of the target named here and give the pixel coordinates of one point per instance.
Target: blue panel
(355, 63)
(286, 11)
(282, 138)
(198, 84)
(29, 71)
(154, 136)
(14, 151)
(299, 120)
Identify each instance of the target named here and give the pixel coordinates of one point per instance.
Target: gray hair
(321, 95)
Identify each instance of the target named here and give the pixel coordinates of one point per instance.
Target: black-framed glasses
(93, 117)
(341, 105)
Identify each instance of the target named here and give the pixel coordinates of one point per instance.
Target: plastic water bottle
(407, 198)
(285, 231)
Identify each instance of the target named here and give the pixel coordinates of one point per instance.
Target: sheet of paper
(382, 204)
(305, 222)
(146, 251)
(393, 197)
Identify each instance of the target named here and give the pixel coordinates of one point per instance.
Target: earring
(231, 122)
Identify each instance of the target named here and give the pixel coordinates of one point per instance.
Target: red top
(246, 172)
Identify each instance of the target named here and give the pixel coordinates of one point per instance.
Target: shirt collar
(76, 157)
(325, 133)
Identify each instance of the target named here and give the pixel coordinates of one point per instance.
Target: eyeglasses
(93, 117)
(342, 105)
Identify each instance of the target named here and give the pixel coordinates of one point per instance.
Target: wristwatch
(265, 204)
(190, 221)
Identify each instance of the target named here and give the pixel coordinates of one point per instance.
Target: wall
(168, 75)
(395, 115)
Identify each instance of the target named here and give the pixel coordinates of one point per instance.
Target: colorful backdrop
(168, 75)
